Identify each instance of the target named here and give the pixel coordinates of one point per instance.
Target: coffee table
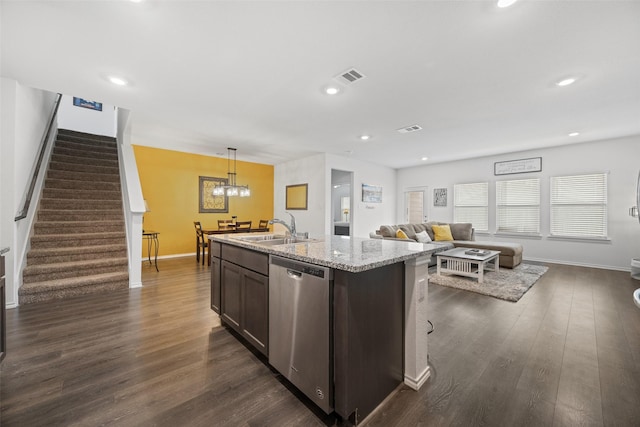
(461, 263)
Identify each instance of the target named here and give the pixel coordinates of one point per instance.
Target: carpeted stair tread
(92, 251)
(83, 160)
(85, 135)
(62, 193)
(76, 227)
(81, 167)
(80, 145)
(79, 214)
(83, 176)
(77, 184)
(86, 153)
(115, 280)
(78, 204)
(85, 236)
(76, 265)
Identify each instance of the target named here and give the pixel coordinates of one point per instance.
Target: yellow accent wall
(170, 181)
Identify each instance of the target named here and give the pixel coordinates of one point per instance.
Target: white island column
(416, 363)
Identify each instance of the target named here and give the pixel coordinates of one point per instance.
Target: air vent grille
(407, 129)
(350, 76)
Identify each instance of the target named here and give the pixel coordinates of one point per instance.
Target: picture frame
(91, 105)
(371, 193)
(510, 167)
(208, 203)
(440, 197)
(297, 197)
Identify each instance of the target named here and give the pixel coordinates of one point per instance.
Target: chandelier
(231, 188)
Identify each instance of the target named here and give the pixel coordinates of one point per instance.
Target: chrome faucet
(291, 228)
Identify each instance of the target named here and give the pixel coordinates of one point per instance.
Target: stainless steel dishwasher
(300, 325)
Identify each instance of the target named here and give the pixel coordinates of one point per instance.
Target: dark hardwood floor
(568, 353)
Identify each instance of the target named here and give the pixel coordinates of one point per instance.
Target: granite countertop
(353, 254)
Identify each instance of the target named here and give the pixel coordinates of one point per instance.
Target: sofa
(462, 234)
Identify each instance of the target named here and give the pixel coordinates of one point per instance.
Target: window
(518, 206)
(471, 204)
(579, 206)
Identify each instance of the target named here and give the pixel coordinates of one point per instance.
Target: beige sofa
(463, 236)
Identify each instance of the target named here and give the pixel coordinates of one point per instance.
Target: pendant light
(231, 188)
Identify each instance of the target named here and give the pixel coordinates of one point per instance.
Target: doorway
(341, 202)
(415, 203)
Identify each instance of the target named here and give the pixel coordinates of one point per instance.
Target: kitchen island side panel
(368, 338)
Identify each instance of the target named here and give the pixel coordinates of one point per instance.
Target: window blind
(579, 206)
(471, 204)
(518, 206)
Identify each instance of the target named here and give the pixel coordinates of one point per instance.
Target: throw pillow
(401, 234)
(442, 233)
(423, 237)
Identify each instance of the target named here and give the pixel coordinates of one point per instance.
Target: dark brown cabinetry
(214, 253)
(3, 303)
(244, 293)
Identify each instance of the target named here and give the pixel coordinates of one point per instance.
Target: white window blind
(518, 206)
(471, 204)
(579, 206)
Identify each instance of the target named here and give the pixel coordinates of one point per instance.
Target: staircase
(78, 244)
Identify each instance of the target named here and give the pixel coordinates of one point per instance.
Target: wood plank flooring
(566, 354)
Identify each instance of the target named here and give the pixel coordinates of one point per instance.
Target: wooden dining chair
(243, 225)
(264, 223)
(202, 242)
(225, 224)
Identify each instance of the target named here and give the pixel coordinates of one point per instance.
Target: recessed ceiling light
(331, 90)
(506, 3)
(424, 159)
(566, 82)
(118, 81)
(574, 134)
(365, 137)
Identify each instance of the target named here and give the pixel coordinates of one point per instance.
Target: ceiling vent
(350, 76)
(408, 129)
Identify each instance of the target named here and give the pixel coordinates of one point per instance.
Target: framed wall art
(533, 164)
(297, 197)
(208, 202)
(371, 193)
(440, 197)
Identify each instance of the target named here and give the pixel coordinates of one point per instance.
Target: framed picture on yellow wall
(208, 202)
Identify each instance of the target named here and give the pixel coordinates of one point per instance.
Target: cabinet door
(255, 309)
(215, 284)
(231, 288)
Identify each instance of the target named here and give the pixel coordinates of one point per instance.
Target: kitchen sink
(275, 239)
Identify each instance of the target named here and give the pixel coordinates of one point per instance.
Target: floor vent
(408, 129)
(350, 76)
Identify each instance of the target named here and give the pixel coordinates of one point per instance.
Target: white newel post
(416, 363)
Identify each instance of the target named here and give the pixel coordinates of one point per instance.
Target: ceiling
(207, 75)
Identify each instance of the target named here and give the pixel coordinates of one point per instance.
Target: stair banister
(26, 199)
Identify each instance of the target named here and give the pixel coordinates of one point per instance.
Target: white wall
(620, 157)
(366, 217)
(86, 120)
(25, 115)
(316, 171)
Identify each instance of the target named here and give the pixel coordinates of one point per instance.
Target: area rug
(507, 284)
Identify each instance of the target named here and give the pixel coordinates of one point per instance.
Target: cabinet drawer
(214, 248)
(247, 258)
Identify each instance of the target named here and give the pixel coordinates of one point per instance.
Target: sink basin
(274, 239)
(284, 241)
(260, 238)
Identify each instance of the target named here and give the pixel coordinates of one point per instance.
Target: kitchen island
(375, 312)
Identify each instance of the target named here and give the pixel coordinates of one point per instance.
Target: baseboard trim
(580, 264)
(416, 383)
(134, 285)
